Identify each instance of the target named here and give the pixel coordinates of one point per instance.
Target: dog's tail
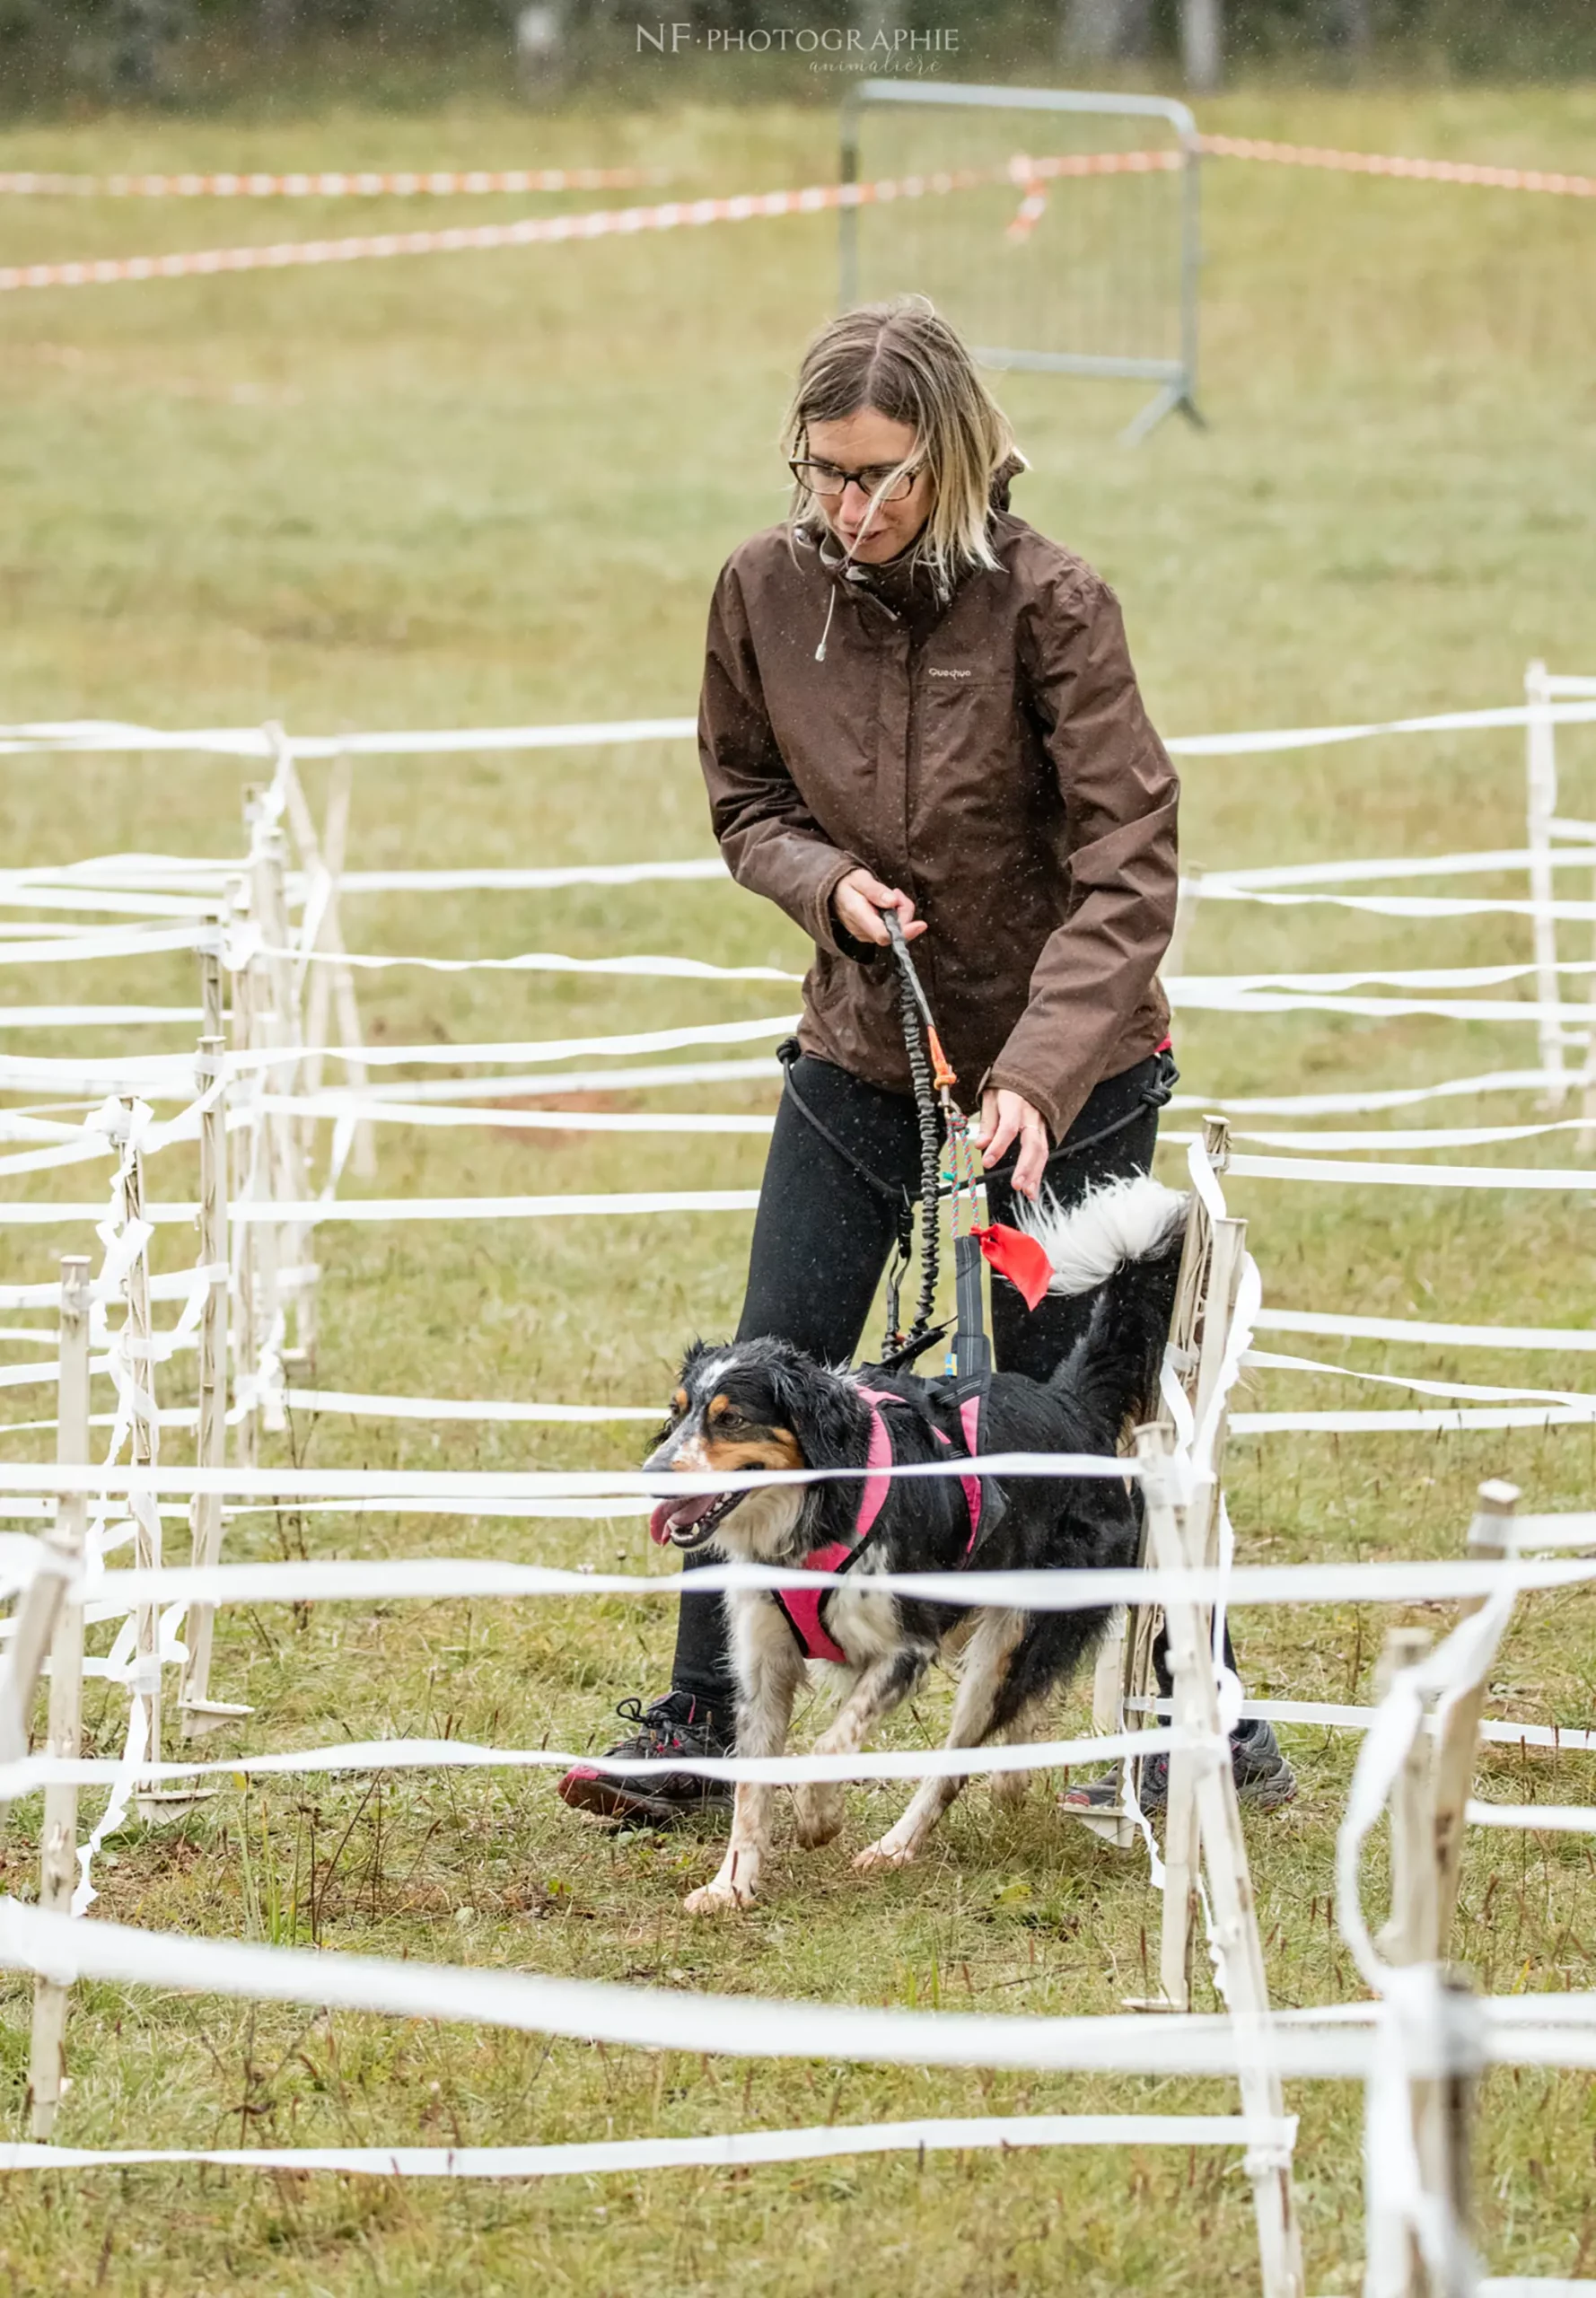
(1122, 1242)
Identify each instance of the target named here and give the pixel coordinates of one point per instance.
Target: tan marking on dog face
(761, 1448)
(680, 1401)
(717, 1407)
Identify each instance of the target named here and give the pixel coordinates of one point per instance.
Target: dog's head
(747, 1407)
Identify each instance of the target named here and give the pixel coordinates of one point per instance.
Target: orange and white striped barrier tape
(533, 230)
(349, 184)
(1384, 164)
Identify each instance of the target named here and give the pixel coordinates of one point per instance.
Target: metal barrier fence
(1075, 249)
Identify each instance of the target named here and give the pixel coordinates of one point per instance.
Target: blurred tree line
(191, 52)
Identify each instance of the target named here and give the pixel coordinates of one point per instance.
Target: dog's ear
(824, 1413)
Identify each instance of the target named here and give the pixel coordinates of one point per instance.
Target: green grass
(497, 488)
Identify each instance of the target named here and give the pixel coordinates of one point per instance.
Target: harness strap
(802, 1606)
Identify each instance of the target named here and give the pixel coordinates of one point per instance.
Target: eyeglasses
(826, 480)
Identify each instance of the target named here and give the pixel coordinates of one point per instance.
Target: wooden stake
(1135, 1640)
(1224, 1858)
(57, 1854)
(1227, 1259)
(1409, 1935)
(200, 1713)
(1441, 2104)
(1490, 1539)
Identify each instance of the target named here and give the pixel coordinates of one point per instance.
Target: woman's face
(870, 441)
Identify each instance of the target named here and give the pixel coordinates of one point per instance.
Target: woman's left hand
(1007, 1117)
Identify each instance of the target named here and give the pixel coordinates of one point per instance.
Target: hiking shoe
(676, 1726)
(1264, 1779)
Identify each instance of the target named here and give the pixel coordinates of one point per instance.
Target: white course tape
(1399, 1097)
(29, 1773)
(93, 1017)
(307, 1213)
(1266, 1361)
(1497, 862)
(1247, 1167)
(368, 1099)
(1412, 1329)
(337, 1105)
(1334, 984)
(1572, 913)
(664, 2019)
(376, 1407)
(314, 1211)
(536, 1049)
(1456, 1136)
(114, 942)
(252, 742)
(1556, 1819)
(1415, 1423)
(93, 734)
(171, 1076)
(640, 969)
(105, 901)
(450, 1578)
(1221, 1000)
(1335, 1714)
(707, 869)
(726, 2150)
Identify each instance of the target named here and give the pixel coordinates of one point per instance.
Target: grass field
(495, 488)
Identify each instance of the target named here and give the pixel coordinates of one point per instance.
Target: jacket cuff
(825, 929)
(1057, 1111)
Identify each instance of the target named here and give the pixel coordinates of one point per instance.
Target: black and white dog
(760, 1404)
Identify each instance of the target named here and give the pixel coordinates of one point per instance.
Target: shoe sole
(606, 1799)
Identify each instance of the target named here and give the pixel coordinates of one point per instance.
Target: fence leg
(331, 984)
(58, 1850)
(146, 1453)
(200, 1713)
(285, 1162)
(1236, 1939)
(240, 1152)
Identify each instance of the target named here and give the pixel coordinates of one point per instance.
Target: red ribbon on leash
(1018, 1258)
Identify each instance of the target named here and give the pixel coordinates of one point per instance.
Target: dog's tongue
(678, 1512)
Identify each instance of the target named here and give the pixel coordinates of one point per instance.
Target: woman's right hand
(859, 900)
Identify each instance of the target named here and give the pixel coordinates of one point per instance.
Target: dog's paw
(818, 1813)
(885, 1853)
(721, 1897)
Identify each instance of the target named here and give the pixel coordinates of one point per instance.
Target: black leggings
(823, 1237)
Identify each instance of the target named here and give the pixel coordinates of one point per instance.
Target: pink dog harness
(802, 1605)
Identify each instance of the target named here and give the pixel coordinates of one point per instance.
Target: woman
(913, 701)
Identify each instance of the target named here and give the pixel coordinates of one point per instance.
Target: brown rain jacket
(987, 753)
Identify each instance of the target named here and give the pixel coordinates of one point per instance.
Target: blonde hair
(906, 362)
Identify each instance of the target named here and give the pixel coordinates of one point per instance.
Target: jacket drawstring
(825, 633)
